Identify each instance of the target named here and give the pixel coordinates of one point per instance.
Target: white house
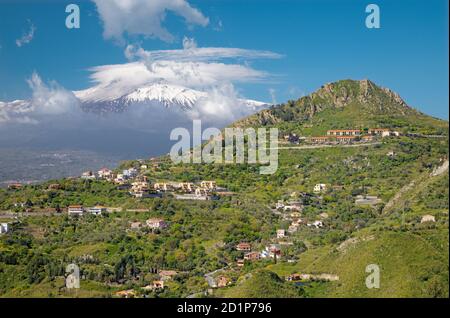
(96, 210)
(75, 210)
(210, 185)
(104, 173)
(428, 218)
(130, 173)
(317, 224)
(4, 228)
(281, 234)
(88, 175)
(156, 223)
(320, 187)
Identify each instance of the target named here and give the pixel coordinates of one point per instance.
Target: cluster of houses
(346, 136)
(270, 251)
(139, 187)
(107, 174)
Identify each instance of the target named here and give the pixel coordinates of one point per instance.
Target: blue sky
(320, 41)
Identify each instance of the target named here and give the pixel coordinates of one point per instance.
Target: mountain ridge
(364, 96)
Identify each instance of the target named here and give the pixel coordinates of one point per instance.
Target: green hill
(346, 104)
(261, 284)
(408, 175)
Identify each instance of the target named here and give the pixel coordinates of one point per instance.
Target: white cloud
(26, 37)
(213, 70)
(191, 52)
(272, 93)
(144, 17)
(222, 106)
(48, 103)
(51, 99)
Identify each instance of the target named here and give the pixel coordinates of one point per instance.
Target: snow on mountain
(104, 100)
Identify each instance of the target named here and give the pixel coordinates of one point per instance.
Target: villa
(156, 223)
(252, 256)
(209, 185)
(166, 275)
(89, 175)
(222, 281)
(344, 132)
(281, 234)
(186, 187)
(96, 210)
(105, 173)
(14, 186)
(75, 210)
(243, 247)
(428, 218)
(320, 187)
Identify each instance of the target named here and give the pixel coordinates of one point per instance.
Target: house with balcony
(75, 210)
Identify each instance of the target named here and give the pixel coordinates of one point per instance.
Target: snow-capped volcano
(103, 100)
(109, 99)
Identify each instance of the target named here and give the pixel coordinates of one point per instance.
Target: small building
(158, 284)
(367, 200)
(367, 138)
(162, 186)
(75, 210)
(130, 173)
(243, 247)
(344, 132)
(135, 225)
(129, 293)
(320, 187)
(293, 277)
(222, 281)
(271, 251)
(209, 185)
(319, 139)
(281, 234)
(346, 139)
(383, 132)
(120, 179)
(240, 263)
(14, 186)
(166, 275)
(428, 218)
(316, 224)
(156, 223)
(186, 187)
(252, 256)
(96, 210)
(201, 192)
(104, 173)
(54, 186)
(89, 175)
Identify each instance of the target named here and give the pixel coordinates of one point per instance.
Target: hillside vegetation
(407, 175)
